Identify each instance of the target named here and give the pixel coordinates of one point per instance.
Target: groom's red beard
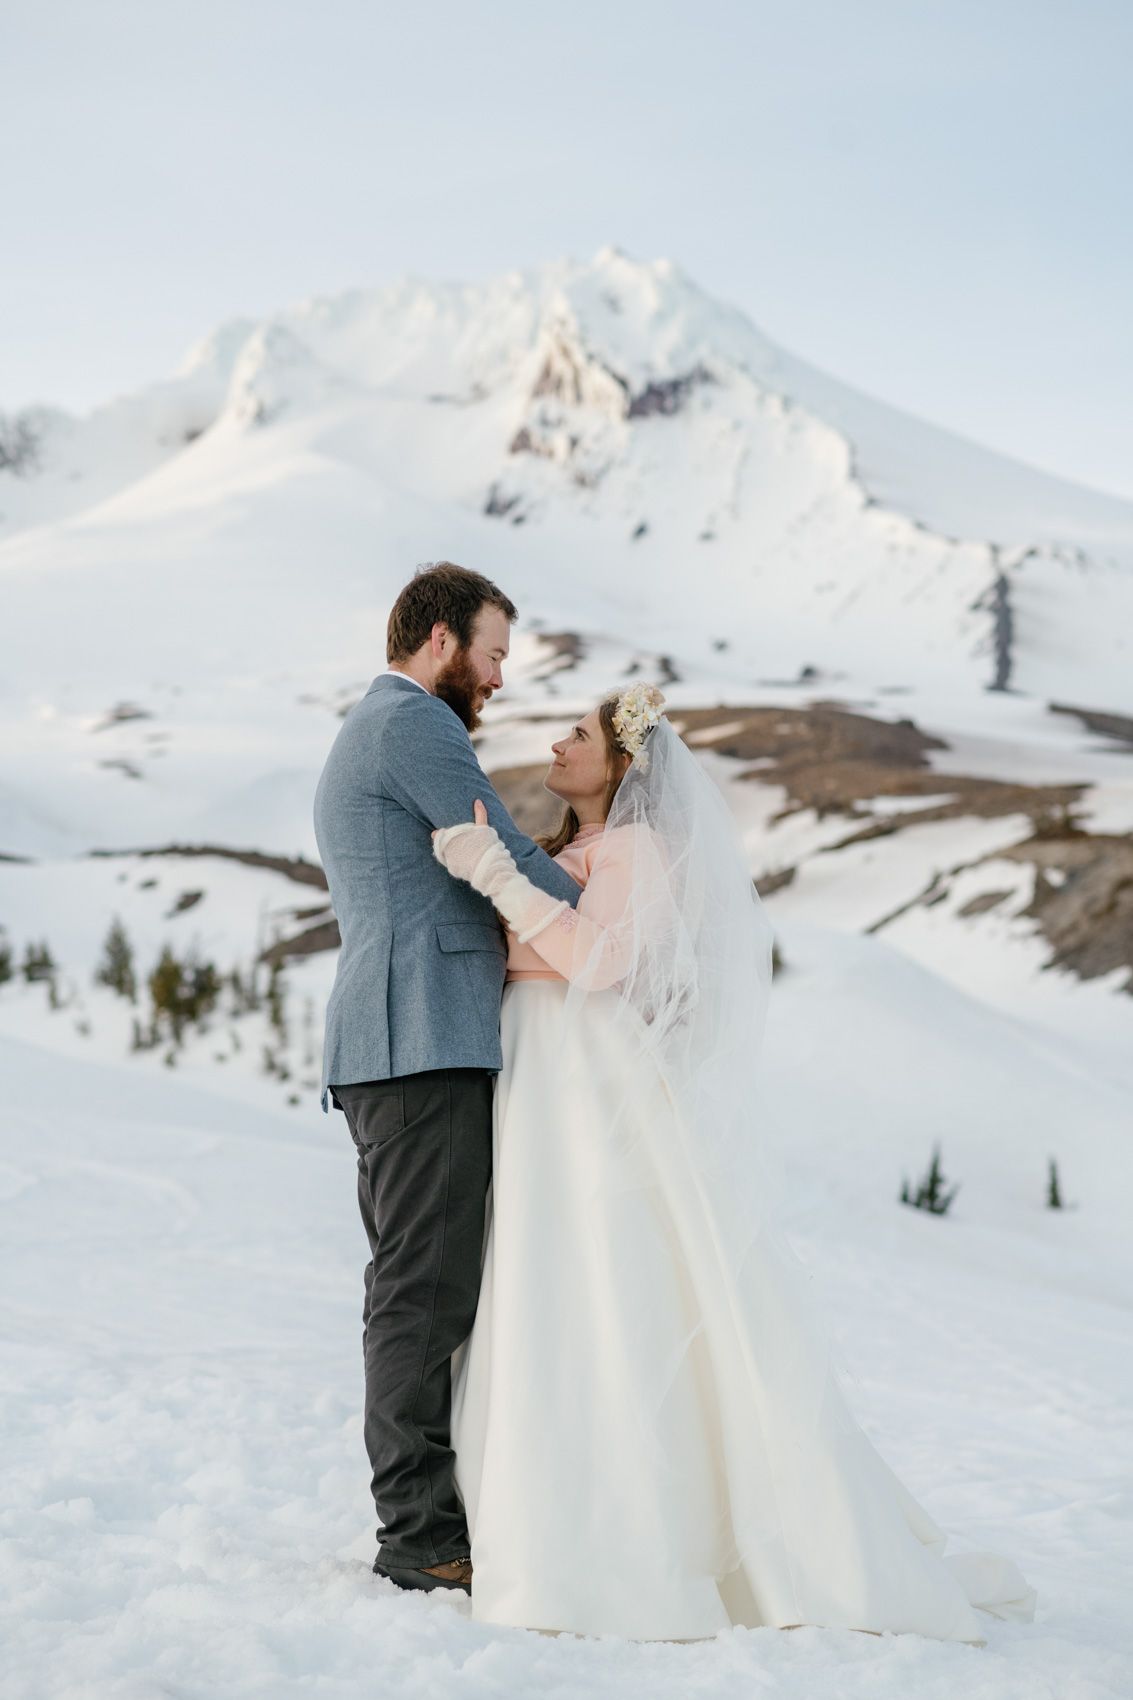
(459, 685)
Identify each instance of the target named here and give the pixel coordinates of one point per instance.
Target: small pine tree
(1054, 1191)
(38, 962)
(930, 1194)
(182, 992)
(202, 989)
(5, 960)
(165, 991)
(116, 969)
(277, 994)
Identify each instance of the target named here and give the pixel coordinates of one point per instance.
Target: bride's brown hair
(617, 761)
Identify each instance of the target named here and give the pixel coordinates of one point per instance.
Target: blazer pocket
(470, 935)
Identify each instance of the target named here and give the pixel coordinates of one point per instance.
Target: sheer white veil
(692, 942)
(672, 893)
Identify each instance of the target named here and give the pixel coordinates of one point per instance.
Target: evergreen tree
(5, 960)
(1054, 1191)
(930, 1194)
(38, 962)
(202, 989)
(116, 969)
(182, 992)
(165, 991)
(277, 994)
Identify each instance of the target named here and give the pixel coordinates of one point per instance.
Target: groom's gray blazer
(421, 971)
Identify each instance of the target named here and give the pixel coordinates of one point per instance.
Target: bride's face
(579, 765)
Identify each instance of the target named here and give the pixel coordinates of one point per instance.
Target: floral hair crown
(637, 712)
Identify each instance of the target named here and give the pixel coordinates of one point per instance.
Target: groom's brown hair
(440, 590)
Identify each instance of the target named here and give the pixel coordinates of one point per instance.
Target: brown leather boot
(453, 1573)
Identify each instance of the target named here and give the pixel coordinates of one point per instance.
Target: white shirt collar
(399, 675)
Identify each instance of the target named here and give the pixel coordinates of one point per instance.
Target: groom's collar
(391, 675)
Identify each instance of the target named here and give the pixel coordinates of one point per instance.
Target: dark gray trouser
(424, 1144)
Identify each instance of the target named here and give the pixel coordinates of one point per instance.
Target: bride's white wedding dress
(650, 1438)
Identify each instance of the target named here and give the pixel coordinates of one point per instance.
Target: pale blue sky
(931, 201)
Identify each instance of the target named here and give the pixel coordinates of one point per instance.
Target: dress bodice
(523, 960)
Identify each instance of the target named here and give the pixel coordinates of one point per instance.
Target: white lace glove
(477, 854)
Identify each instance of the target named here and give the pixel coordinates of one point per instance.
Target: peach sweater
(523, 960)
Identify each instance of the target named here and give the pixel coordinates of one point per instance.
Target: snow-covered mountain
(195, 582)
(628, 457)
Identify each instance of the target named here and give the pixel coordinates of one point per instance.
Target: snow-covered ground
(185, 1502)
(194, 584)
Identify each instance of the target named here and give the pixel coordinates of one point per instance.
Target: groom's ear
(437, 636)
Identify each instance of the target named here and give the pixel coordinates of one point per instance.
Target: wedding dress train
(651, 1437)
(628, 1463)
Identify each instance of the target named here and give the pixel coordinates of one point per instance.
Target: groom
(412, 1036)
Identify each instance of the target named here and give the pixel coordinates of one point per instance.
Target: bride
(651, 1440)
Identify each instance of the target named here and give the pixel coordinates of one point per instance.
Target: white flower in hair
(638, 710)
